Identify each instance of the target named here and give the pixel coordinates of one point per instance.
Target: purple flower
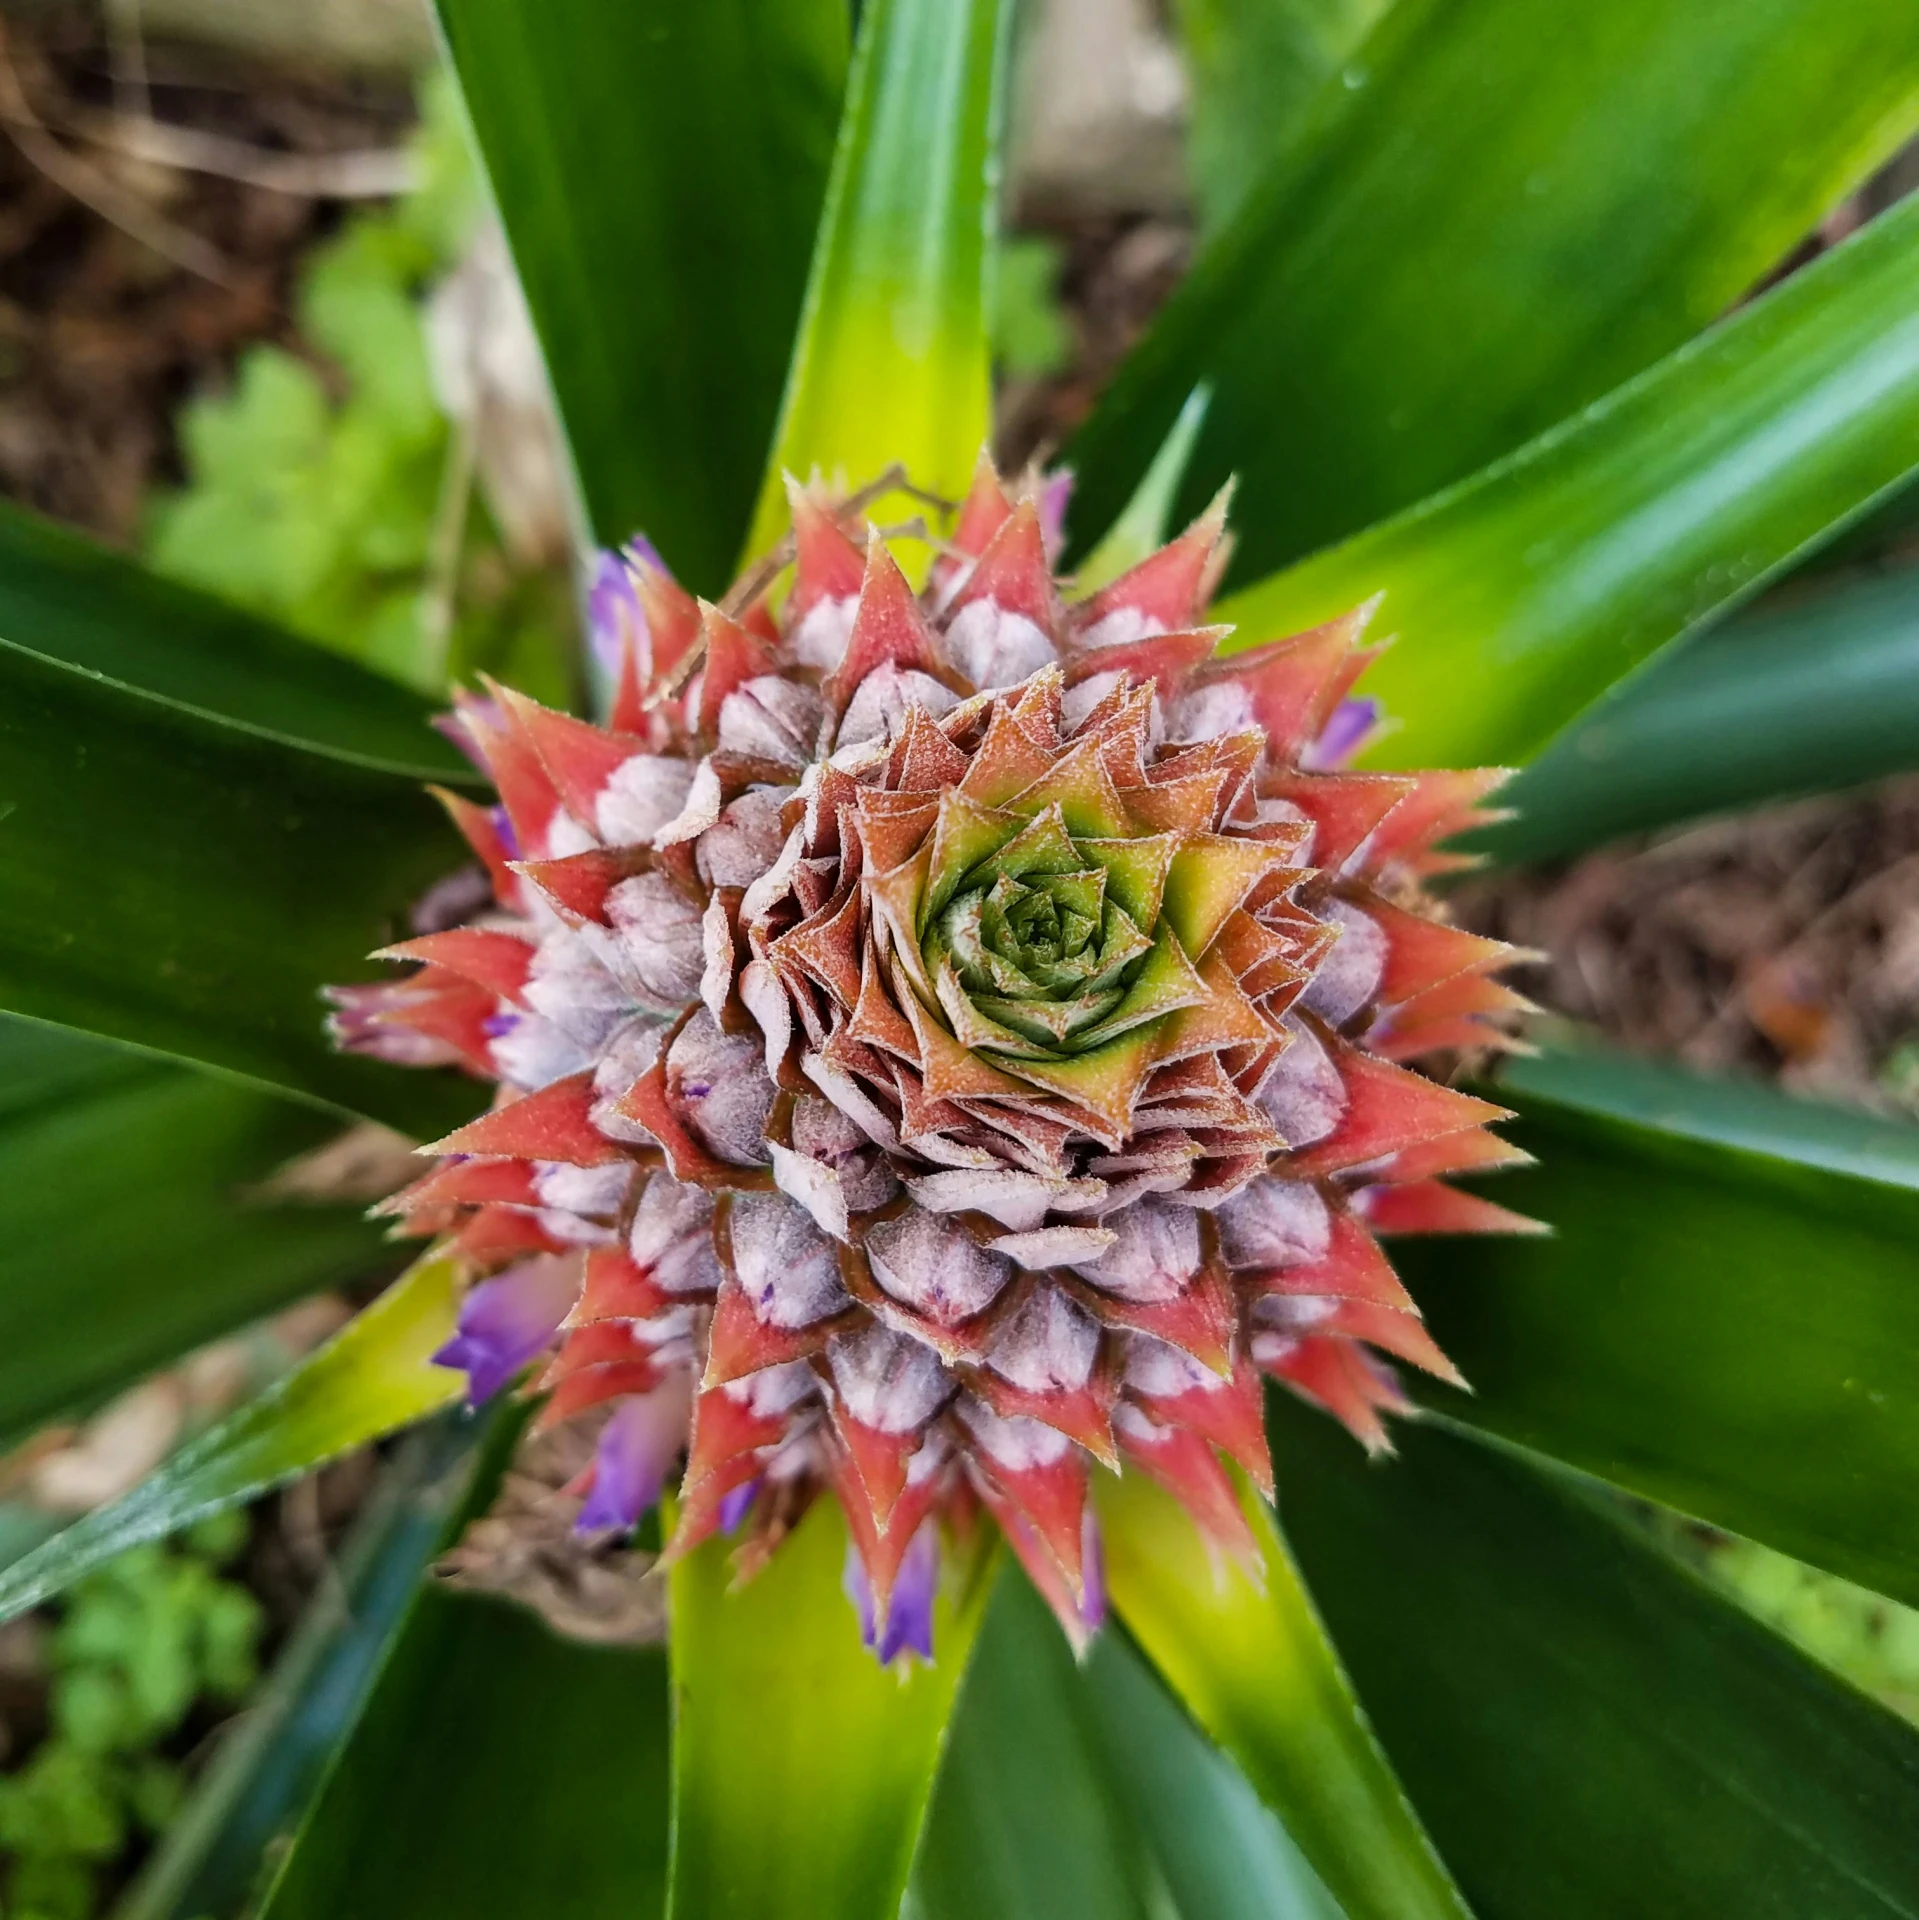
(1054, 493)
(613, 607)
(1342, 736)
(637, 1446)
(909, 1619)
(372, 1019)
(859, 1590)
(452, 902)
(507, 1320)
(1092, 1564)
(455, 728)
(737, 1504)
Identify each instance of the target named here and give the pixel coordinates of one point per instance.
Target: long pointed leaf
(186, 886)
(892, 361)
(373, 1377)
(496, 1770)
(1817, 694)
(1079, 1788)
(65, 597)
(1256, 1670)
(1485, 227)
(1025, 1822)
(1223, 1855)
(130, 1235)
(1725, 1317)
(659, 168)
(268, 1768)
(1519, 597)
(1255, 66)
(47, 1067)
(1145, 523)
(1588, 1730)
(801, 1767)
(1879, 535)
(499, 1773)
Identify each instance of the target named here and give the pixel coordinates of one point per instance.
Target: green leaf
(1254, 68)
(130, 1232)
(802, 1766)
(1881, 534)
(659, 169)
(1818, 693)
(375, 1375)
(1519, 597)
(184, 886)
(1079, 1788)
(320, 505)
(1589, 1731)
(1482, 227)
(73, 601)
(1725, 1317)
(357, 306)
(1026, 1822)
(1256, 1670)
(496, 1769)
(44, 1067)
(892, 362)
(1222, 1854)
(267, 1770)
(499, 1773)
(1144, 524)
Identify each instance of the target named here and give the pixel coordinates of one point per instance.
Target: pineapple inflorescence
(945, 1039)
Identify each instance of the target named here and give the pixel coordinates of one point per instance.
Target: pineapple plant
(954, 1087)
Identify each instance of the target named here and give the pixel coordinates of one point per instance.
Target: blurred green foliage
(1873, 1641)
(1031, 334)
(1859, 1634)
(136, 1648)
(327, 489)
(1899, 1075)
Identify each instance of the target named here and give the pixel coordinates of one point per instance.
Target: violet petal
(1092, 1572)
(637, 1446)
(909, 1620)
(735, 1506)
(505, 1321)
(612, 606)
(859, 1590)
(1055, 492)
(1342, 736)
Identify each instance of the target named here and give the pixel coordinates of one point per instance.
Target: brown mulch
(1783, 942)
(102, 336)
(1117, 272)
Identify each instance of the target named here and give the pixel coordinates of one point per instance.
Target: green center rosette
(1064, 942)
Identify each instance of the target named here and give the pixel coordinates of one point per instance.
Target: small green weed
(1031, 334)
(321, 484)
(136, 1648)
